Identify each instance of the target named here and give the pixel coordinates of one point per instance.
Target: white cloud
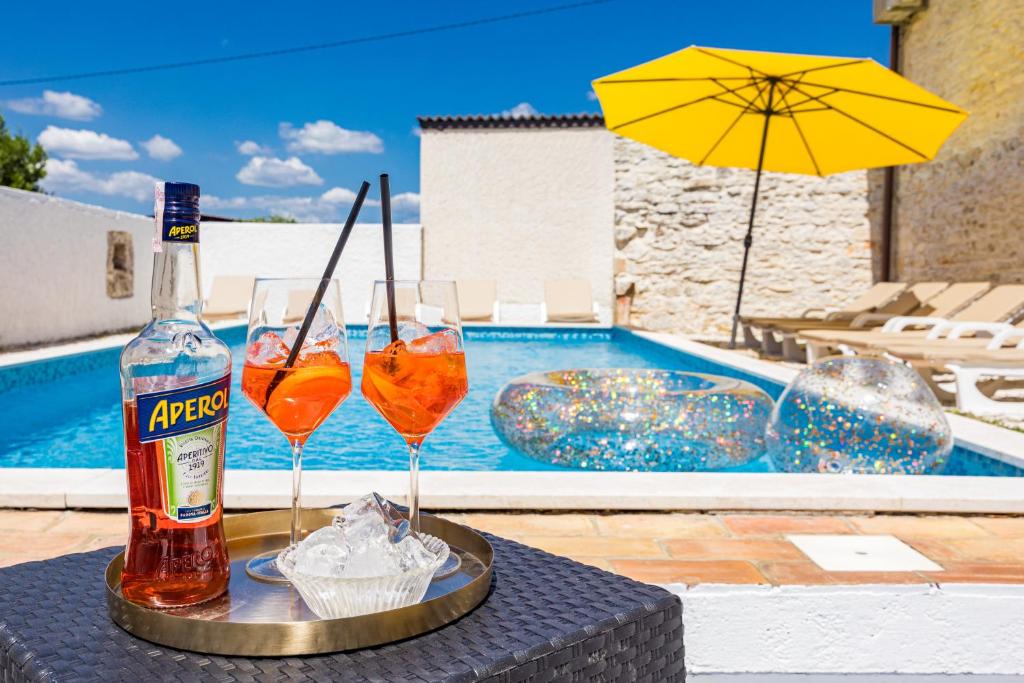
(251, 148)
(521, 110)
(85, 144)
(327, 137)
(338, 195)
(273, 172)
(332, 205)
(64, 105)
(417, 131)
(406, 202)
(63, 175)
(591, 95)
(161, 148)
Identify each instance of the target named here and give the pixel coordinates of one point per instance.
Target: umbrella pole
(748, 240)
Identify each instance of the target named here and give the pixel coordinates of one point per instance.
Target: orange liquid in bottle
(167, 564)
(305, 394)
(414, 391)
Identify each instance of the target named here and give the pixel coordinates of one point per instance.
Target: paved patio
(657, 548)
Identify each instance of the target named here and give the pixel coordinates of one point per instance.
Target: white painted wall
(881, 629)
(53, 269)
(519, 206)
(302, 250)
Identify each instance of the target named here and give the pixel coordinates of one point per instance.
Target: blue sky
(320, 122)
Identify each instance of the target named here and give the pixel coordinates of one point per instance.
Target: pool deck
(666, 548)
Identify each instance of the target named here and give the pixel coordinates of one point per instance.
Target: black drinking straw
(389, 256)
(321, 288)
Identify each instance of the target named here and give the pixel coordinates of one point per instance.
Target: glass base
(263, 567)
(449, 568)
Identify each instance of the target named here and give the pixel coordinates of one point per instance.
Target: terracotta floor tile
(681, 571)
(75, 521)
(28, 520)
(937, 549)
(1012, 527)
(660, 526)
(978, 572)
(851, 578)
(776, 525)
(732, 549)
(908, 526)
(794, 573)
(531, 524)
(35, 543)
(105, 541)
(596, 546)
(11, 560)
(1009, 550)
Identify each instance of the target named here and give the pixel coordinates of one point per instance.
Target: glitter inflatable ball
(859, 415)
(633, 420)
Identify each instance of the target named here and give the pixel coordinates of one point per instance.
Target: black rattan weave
(548, 619)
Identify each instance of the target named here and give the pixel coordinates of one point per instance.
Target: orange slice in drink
(307, 395)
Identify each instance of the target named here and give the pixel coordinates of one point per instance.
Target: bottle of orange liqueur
(175, 378)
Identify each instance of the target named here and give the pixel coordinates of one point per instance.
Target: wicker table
(547, 619)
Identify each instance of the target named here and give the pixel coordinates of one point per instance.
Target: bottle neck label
(170, 225)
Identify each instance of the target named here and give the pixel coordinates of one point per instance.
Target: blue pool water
(66, 412)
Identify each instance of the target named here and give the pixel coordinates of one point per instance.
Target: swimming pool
(65, 412)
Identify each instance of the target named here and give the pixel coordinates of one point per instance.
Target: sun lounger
(298, 304)
(229, 297)
(996, 306)
(780, 338)
(478, 300)
(880, 294)
(568, 301)
(978, 370)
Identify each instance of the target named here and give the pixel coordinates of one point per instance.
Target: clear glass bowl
(337, 598)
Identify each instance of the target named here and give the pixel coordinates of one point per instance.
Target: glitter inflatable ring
(633, 419)
(859, 415)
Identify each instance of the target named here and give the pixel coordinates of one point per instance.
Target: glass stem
(414, 485)
(296, 531)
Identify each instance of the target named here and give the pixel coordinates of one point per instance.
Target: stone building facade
(546, 197)
(961, 216)
(679, 241)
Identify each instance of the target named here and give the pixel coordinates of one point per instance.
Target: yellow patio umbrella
(775, 112)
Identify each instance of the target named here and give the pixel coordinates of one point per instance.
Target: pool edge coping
(537, 490)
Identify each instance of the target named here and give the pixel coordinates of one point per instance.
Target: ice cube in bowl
(339, 595)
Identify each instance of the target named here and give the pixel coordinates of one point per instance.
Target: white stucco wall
(519, 206)
(302, 250)
(53, 269)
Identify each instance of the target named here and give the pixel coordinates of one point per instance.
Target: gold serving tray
(256, 619)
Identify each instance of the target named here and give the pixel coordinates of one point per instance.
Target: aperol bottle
(175, 379)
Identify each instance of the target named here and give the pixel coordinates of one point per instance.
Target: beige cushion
(229, 295)
(298, 303)
(569, 301)
(476, 299)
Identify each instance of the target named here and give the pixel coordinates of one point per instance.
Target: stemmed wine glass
(414, 372)
(299, 398)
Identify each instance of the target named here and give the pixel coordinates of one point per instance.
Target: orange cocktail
(414, 390)
(298, 399)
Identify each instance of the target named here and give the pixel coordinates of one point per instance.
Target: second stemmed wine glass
(414, 372)
(299, 398)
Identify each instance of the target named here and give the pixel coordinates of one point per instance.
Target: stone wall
(961, 216)
(679, 241)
